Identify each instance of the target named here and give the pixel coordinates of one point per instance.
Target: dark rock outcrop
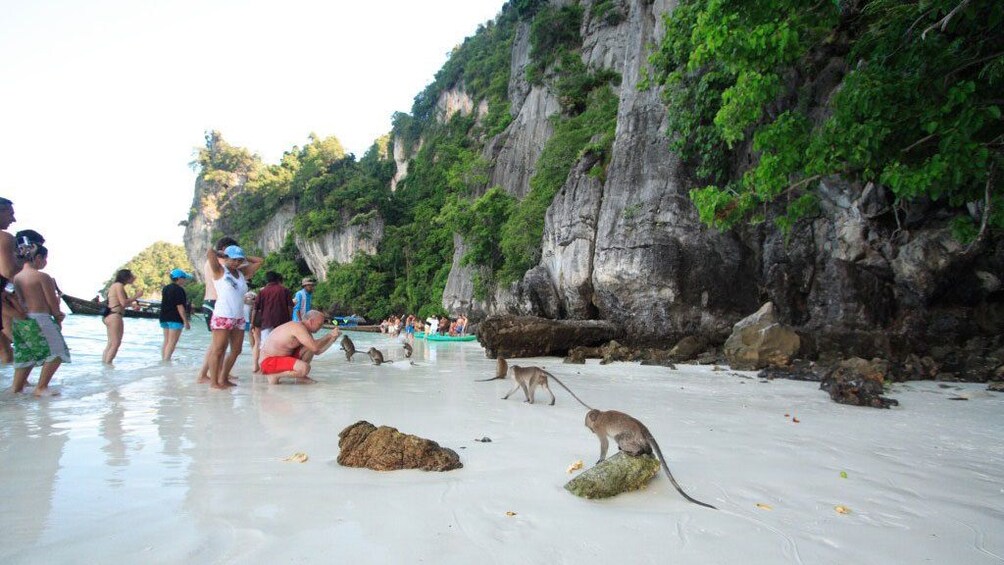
(617, 474)
(527, 336)
(385, 449)
(859, 382)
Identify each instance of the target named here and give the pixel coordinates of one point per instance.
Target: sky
(102, 103)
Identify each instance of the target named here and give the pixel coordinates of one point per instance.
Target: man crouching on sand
(290, 347)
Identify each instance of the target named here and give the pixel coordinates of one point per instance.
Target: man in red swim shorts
(289, 349)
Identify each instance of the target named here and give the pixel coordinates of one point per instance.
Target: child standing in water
(37, 338)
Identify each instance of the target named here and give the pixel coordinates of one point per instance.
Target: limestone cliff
(340, 246)
(631, 249)
(627, 246)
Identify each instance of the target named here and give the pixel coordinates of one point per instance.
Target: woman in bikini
(118, 301)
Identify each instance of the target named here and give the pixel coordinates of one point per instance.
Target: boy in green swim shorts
(37, 339)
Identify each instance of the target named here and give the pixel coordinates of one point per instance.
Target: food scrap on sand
(763, 506)
(575, 466)
(298, 457)
(510, 513)
(842, 509)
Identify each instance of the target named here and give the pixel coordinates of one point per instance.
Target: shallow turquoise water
(86, 337)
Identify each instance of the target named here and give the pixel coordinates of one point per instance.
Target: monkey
(632, 437)
(501, 368)
(529, 378)
(407, 350)
(348, 347)
(376, 356)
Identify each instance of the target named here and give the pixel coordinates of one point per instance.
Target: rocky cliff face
(207, 203)
(859, 278)
(340, 246)
(864, 276)
(275, 232)
(630, 249)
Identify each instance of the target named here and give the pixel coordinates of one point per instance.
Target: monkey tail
(588, 407)
(491, 379)
(655, 446)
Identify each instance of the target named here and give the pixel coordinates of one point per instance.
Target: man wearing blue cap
(173, 312)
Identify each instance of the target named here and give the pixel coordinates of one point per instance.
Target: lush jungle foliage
(151, 267)
(447, 191)
(917, 111)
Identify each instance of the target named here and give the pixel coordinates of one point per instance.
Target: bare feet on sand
(45, 392)
(274, 380)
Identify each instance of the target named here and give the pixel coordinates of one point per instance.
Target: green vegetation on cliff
(151, 267)
(447, 190)
(918, 109)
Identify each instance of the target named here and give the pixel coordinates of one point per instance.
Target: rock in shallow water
(617, 474)
(385, 449)
(527, 336)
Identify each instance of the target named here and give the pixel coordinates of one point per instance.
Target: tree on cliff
(152, 265)
(903, 94)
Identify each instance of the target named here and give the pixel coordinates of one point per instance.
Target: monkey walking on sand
(501, 368)
(407, 350)
(529, 378)
(632, 437)
(348, 347)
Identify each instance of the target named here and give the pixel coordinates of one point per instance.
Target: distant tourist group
(281, 324)
(411, 325)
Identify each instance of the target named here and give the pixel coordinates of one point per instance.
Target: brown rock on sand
(385, 449)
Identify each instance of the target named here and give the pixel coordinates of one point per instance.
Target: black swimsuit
(3, 288)
(107, 311)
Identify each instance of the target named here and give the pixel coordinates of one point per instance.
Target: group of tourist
(432, 325)
(280, 323)
(30, 316)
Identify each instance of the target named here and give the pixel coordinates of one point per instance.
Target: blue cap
(234, 252)
(180, 274)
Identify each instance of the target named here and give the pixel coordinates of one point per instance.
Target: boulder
(758, 341)
(858, 382)
(688, 348)
(385, 449)
(529, 336)
(617, 474)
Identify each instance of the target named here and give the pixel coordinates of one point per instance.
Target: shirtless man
(291, 346)
(8, 268)
(37, 339)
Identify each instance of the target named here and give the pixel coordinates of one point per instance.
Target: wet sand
(140, 464)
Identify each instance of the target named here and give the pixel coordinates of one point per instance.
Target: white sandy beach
(138, 464)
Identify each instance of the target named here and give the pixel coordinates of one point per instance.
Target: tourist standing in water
(209, 302)
(227, 323)
(174, 312)
(8, 268)
(303, 300)
(112, 314)
(37, 339)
